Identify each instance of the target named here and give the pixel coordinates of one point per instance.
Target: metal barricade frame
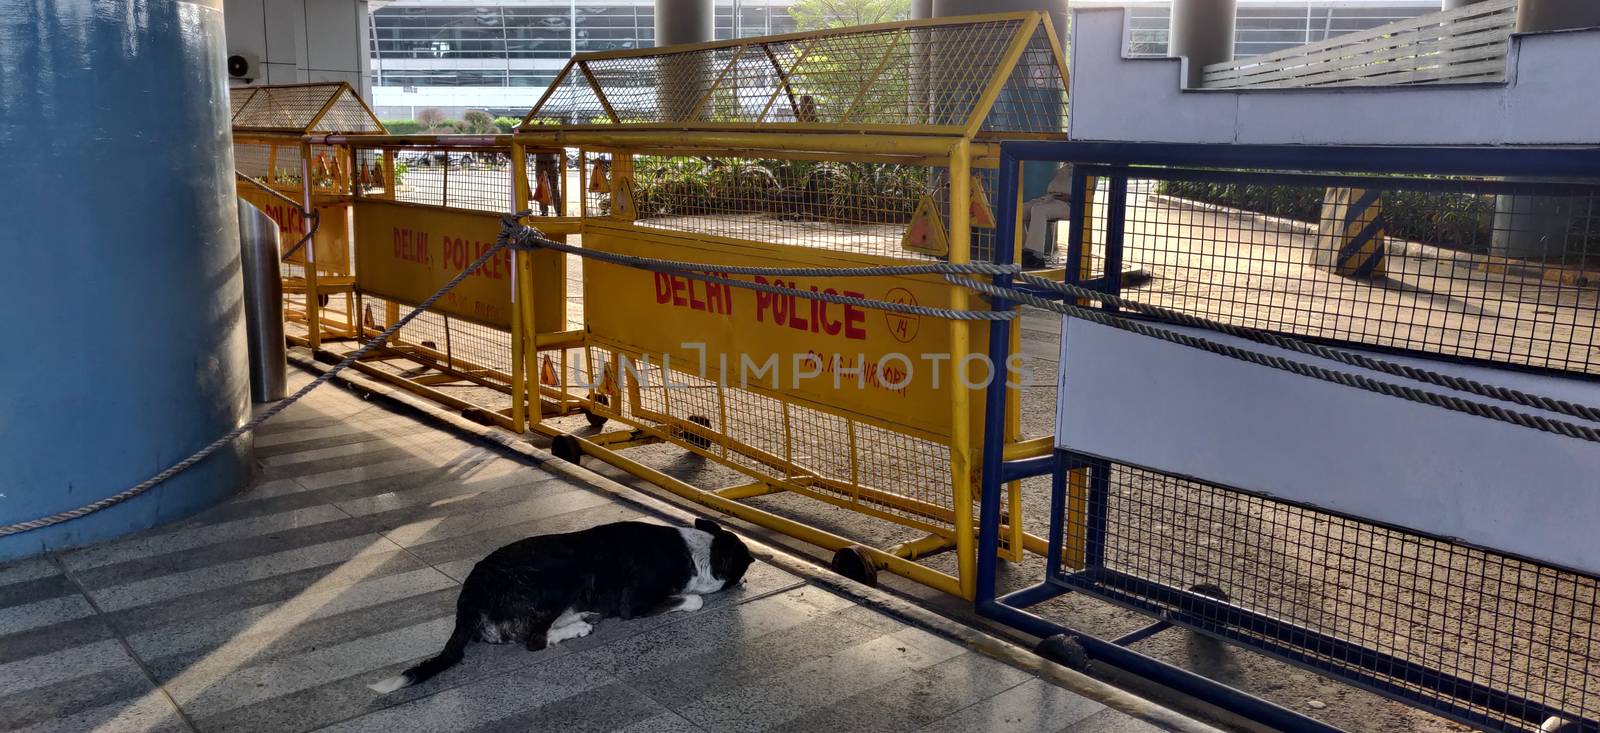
(595, 106)
(1076, 559)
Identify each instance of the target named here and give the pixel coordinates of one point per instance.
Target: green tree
(810, 15)
(477, 122)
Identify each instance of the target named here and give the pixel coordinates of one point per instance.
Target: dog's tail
(454, 650)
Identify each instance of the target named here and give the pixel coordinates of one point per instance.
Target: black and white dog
(547, 589)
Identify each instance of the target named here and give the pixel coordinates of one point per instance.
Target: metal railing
(1458, 46)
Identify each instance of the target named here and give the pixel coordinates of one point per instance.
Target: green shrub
(857, 193)
(1457, 220)
(402, 127)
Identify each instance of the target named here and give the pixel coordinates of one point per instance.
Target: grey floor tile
(280, 617)
(47, 669)
(343, 486)
(37, 589)
(54, 637)
(446, 526)
(460, 464)
(816, 684)
(151, 712)
(1034, 706)
(1111, 721)
(496, 477)
(710, 632)
(223, 682)
(914, 700)
(599, 710)
(276, 589)
(379, 453)
(663, 723)
(21, 570)
(296, 441)
(484, 701)
(193, 536)
(688, 679)
(349, 697)
(256, 647)
(422, 443)
(65, 697)
(15, 619)
(171, 586)
(223, 553)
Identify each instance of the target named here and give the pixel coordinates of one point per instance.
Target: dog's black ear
(706, 525)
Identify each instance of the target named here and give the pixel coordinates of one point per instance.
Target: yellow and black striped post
(1352, 238)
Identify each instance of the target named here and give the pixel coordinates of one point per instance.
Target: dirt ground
(1481, 617)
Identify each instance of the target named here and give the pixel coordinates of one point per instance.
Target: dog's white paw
(691, 602)
(387, 686)
(574, 630)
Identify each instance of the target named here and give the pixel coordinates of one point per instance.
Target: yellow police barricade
(424, 206)
(835, 149)
(289, 172)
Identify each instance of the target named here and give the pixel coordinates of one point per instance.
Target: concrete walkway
(340, 567)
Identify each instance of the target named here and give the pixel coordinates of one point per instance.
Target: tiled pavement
(340, 567)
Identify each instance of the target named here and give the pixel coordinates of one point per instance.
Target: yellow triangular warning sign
(547, 373)
(622, 204)
(926, 233)
(982, 214)
(608, 381)
(366, 317)
(597, 179)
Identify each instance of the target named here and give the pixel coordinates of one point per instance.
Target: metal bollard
(263, 303)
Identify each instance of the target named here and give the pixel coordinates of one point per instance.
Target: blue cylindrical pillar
(123, 349)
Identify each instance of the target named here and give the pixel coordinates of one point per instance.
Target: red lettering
(780, 304)
(853, 318)
(677, 286)
(663, 288)
(830, 326)
(694, 302)
(796, 320)
(714, 297)
(763, 300)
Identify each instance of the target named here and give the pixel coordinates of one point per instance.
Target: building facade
(500, 55)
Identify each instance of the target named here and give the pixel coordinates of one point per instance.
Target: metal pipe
(263, 303)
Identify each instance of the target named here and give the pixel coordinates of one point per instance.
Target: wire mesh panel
(842, 206)
(463, 360)
(1499, 271)
(458, 178)
(1496, 270)
(346, 115)
(921, 75)
(1497, 640)
(237, 98)
(895, 476)
(288, 108)
(303, 108)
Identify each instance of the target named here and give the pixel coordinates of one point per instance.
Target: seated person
(1056, 205)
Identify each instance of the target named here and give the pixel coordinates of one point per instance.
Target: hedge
(1463, 221)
